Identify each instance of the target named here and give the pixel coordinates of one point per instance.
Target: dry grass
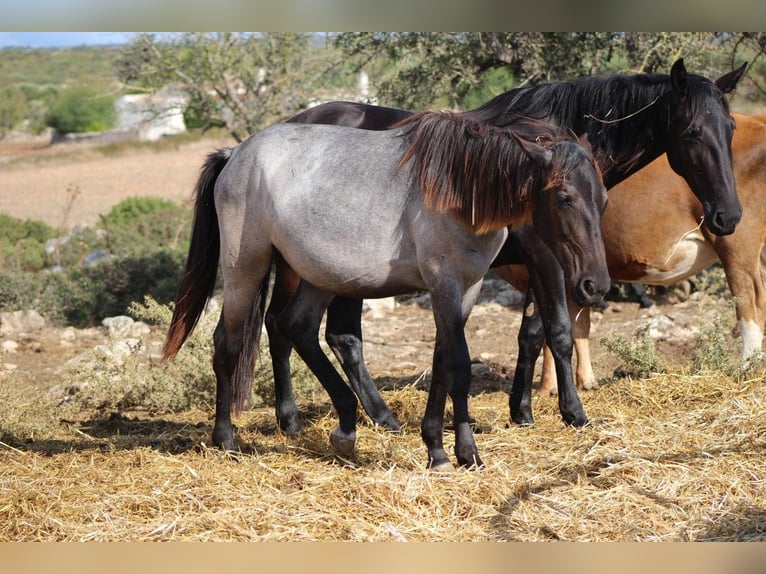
(673, 458)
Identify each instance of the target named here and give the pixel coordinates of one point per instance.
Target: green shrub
(186, 382)
(81, 109)
(639, 355)
(141, 224)
(22, 244)
(147, 239)
(13, 108)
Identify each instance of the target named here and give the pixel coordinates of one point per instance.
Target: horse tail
(242, 377)
(199, 276)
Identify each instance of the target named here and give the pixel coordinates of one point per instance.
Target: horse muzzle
(723, 221)
(589, 291)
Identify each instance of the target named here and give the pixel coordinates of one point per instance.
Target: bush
(22, 244)
(640, 356)
(13, 108)
(140, 224)
(81, 109)
(147, 239)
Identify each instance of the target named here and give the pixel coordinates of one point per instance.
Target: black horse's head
(699, 143)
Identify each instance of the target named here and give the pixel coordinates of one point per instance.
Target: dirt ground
(36, 182)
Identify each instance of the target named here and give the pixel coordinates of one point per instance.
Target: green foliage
(256, 79)
(22, 244)
(145, 240)
(142, 224)
(13, 108)
(420, 70)
(186, 382)
(82, 109)
(714, 349)
(640, 357)
(44, 67)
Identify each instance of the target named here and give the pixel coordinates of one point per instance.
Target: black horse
(630, 120)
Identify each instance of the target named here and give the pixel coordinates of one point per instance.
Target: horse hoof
(523, 420)
(472, 464)
(576, 421)
(442, 468)
(290, 430)
(590, 386)
(343, 442)
(225, 442)
(389, 424)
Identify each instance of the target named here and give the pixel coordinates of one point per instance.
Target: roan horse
(372, 214)
(630, 120)
(653, 234)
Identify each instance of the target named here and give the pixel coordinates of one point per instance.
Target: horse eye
(693, 136)
(565, 200)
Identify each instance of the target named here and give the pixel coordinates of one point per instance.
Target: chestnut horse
(652, 234)
(630, 120)
(373, 214)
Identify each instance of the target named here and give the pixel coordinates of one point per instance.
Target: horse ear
(583, 140)
(728, 82)
(678, 78)
(537, 153)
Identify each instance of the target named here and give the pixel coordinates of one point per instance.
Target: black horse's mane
(615, 111)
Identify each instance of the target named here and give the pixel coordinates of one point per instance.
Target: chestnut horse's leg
(343, 333)
(584, 376)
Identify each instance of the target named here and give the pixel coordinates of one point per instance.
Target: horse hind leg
(237, 336)
(285, 284)
(300, 322)
(343, 334)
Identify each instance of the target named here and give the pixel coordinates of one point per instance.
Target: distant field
(56, 67)
(66, 184)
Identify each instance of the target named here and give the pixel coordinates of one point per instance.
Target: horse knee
(347, 348)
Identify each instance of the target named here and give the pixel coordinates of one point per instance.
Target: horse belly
(684, 259)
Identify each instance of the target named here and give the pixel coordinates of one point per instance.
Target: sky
(60, 39)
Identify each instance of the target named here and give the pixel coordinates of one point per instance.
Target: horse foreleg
(530, 341)
(580, 317)
(548, 382)
(343, 333)
(300, 322)
(451, 374)
(743, 269)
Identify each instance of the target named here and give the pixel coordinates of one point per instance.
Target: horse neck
(634, 134)
(626, 131)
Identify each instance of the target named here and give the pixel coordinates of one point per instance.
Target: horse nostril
(588, 287)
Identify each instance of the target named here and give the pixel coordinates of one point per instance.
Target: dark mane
(593, 104)
(476, 170)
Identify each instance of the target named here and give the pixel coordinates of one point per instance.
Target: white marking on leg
(752, 338)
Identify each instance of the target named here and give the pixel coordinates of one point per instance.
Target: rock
(118, 351)
(14, 322)
(10, 346)
(123, 327)
(379, 307)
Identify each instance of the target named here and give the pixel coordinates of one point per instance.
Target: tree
(243, 81)
(13, 108)
(81, 109)
(425, 70)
